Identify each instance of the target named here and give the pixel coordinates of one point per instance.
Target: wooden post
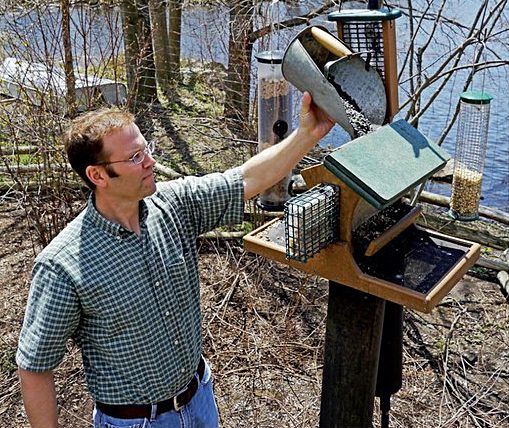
(390, 69)
(352, 346)
(390, 376)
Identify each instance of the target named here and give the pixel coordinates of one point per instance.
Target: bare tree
(158, 11)
(68, 61)
(47, 48)
(175, 12)
(240, 49)
(140, 68)
(474, 48)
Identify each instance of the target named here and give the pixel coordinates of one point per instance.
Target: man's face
(132, 182)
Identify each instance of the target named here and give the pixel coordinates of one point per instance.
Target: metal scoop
(338, 79)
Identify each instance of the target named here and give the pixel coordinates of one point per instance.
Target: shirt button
(182, 370)
(167, 313)
(157, 283)
(176, 342)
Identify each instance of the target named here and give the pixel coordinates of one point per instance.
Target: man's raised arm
(274, 163)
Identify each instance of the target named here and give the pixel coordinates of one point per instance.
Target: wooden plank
(390, 68)
(166, 171)
(19, 150)
(27, 169)
(337, 264)
(393, 231)
(493, 264)
(445, 201)
(486, 233)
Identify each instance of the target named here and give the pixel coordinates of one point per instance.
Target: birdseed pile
(466, 191)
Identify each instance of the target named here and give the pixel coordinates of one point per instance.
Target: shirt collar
(98, 220)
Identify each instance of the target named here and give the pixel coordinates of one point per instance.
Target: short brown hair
(84, 139)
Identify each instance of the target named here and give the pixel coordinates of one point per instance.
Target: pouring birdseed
(341, 83)
(360, 123)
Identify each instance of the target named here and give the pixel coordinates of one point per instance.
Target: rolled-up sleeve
(210, 201)
(51, 318)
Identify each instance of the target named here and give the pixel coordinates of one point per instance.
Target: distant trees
(139, 42)
(151, 35)
(442, 47)
(139, 53)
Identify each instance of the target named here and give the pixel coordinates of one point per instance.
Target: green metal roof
(383, 14)
(385, 164)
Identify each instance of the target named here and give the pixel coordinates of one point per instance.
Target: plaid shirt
(132, 303)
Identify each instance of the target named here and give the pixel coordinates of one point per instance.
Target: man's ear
(97, 175)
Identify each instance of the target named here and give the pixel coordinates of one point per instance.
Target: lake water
(211, 26)
(205, 38)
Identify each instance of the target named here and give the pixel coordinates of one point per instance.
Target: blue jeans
(201, 412)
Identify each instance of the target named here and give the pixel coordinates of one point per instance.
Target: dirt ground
(264, 326)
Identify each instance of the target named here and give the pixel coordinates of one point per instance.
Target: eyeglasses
(138, 157)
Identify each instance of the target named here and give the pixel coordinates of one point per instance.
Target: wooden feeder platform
(403, 264)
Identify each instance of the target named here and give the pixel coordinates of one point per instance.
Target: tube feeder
(274, 120)
(470, 154)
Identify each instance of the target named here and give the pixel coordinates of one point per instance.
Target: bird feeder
(311, 221)
(274, 119)
(470, 153)
(353, 226)
(372, 33)
(376, 256)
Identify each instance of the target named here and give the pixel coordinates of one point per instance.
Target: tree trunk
(175, 10)
(139, 55)
(70, 79)
(239, 62)
(161, 44)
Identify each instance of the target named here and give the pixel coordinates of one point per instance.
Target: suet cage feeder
(311, 221)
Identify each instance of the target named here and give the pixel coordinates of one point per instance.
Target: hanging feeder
(470, 153)
(274, 120)
(372, 33)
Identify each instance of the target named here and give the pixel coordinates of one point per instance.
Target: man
(122, 278)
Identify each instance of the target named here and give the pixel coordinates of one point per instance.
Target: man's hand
(314, 120)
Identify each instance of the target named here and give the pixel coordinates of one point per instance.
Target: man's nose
(149, 160)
